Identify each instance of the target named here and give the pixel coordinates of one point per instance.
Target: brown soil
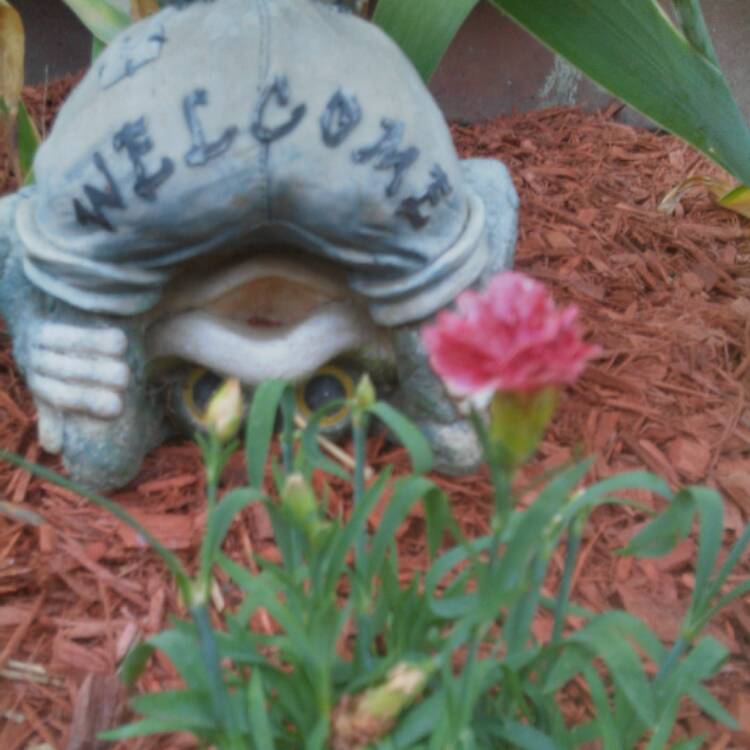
(665, 296)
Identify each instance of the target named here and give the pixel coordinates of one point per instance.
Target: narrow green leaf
(408, 433)
(440, 519)
(700, 664)
(603, 638)
(712, 707)
(97, 47)
(189, 706)
(634, 51)
(739, 590)
(662, 729)
(604, 719)
(180, 645)
(260, 427)
(101, 18)
(737, 200)
(259, 722)
(220, 519)
(710, 508)
(147, 727)
(666, 530)
(310, 445)
(423, 28)
(209, 652)
(27, 143)
(695, 743)
(134, 663)
(733, 558)
(406, 493)
(523, 736)
(344, 541)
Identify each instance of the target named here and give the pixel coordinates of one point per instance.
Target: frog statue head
(263, 188)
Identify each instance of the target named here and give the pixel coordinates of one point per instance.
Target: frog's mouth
(268, 317)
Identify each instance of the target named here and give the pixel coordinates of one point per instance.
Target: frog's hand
(76, 369)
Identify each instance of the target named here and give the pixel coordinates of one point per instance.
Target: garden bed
(666, 297)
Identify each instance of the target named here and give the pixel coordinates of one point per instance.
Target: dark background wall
(493, 67)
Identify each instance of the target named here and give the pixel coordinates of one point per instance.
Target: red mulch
(665, 296)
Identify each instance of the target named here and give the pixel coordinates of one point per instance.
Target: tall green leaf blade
(260, 426)
(407, 432)
(27, 143)
(423, 28)
(666, 530)
(604, 637)
(146, 727)
(633, 50)
(219, 521)
(103, 20)
(260, 723)
(134, 663)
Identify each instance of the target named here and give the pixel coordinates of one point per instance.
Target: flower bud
(299, 501)
(225, 410)
(364, 395)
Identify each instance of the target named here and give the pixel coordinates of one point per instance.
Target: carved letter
(279, 91)
(202, 152)
(134, 139)
(386, 150)
(341, 116)
(99, 199)
(438, 189)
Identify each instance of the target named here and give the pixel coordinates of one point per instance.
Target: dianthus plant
(356, 657)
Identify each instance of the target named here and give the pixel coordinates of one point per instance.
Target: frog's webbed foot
(76, 369)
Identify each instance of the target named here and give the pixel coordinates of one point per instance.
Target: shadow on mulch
(665, 296)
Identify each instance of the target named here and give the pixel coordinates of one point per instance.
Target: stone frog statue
(224, 165)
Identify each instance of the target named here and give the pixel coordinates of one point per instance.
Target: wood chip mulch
(667, 299)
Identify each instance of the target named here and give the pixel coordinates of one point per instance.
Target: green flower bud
(299, 502)
(225, 410)
(364, 395)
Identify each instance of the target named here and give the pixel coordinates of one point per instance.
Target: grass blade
(261, 422)
(260, 725)
(407, 433)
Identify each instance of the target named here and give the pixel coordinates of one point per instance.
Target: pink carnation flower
(510, 337)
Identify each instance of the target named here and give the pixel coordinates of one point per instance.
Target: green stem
(359, 438)
(670, 662)
(211, 448)
(561, 605)
(467, 679)
(288, 408)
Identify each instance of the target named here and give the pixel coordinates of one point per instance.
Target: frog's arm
(72, 361)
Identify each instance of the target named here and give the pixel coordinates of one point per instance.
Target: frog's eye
(190, 396)
(329, 383)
